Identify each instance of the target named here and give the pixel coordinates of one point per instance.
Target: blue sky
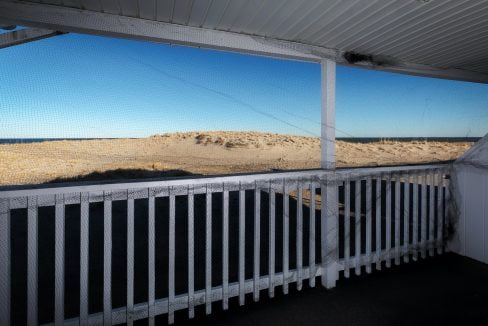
(86, 86)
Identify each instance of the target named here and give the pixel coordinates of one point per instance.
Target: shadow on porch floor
(444, 290)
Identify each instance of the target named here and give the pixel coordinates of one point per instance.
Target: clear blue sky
(86, 86)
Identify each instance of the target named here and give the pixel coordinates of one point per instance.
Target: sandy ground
(214, 152)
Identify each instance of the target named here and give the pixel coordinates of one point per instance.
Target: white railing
(327, 221)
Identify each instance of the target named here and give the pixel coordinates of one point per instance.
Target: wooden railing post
(329, 232)
(329, 190)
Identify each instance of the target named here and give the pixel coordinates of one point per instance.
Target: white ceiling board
(436, 37)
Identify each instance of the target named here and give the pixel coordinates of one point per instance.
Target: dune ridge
(205, 152)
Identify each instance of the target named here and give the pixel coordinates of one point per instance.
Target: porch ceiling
(438, 38)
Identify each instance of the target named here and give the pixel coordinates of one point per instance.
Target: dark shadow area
(125, 174)
(445, 290)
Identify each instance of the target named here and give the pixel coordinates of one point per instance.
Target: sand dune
(216, 152)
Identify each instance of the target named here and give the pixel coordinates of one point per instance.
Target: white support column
(327, 132)
(329, 197)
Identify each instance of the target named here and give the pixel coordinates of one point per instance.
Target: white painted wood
(415, 216)
(368, 223)
(181, 301)
(406, 218)
(151, 269)
(439, 216)
(347, 227)
(431, 240)
(24, 36)
(286, 235)
(397, 220)
(474, 223)
(84, 241)
(378, 223)
(242, 248)
(32, 261)
(173, 302)
(327, 130)
(92, 21)
(299, 245)
(147, 9)
(357, 223)
(330, 232)
(485, 209)
(121, 188)
(107, 259)
(208, 253)
(446, 209)
(59, 261)
(130, 258)
(272, 235)
(423, 216)
(5, 258)
(311, 249)
(171, 256)
(388, 221)
(225, 250)
(191, 254)
(257, 240)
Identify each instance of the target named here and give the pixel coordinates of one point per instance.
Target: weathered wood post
(329, 188)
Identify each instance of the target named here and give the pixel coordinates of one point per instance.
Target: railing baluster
(347, 227)
(59, 261)
(5, 266)
(171, 260)
(107, 259)
(431, 213)
(368, 224)
(151, 224)
(191, 253)
(406, 218)
(440, 235)
(242, 248)
(378, 223)
(445, 208)
(423, 216)
(286, 226)
(311, 250)
(299, 247)
(208, 252)
(32, 256)
(257, 241)
(357, 228)
(84, 229)
(397, 220)
(272, 231)
(130, 258)
(225, 250)
(415, 217)
(388, 221)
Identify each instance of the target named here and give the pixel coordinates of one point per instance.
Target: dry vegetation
(215, 152)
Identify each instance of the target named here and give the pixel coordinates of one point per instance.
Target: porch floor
(447, 289)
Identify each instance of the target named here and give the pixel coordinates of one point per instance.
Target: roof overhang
(66, 19)
(25, 35)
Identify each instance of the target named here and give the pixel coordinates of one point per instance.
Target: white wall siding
(471, 236)
(470, 215)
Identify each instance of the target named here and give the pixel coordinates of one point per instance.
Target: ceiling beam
(25, 35)
(89, 22)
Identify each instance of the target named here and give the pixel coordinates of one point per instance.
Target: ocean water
(39, 140)
(353, 140)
